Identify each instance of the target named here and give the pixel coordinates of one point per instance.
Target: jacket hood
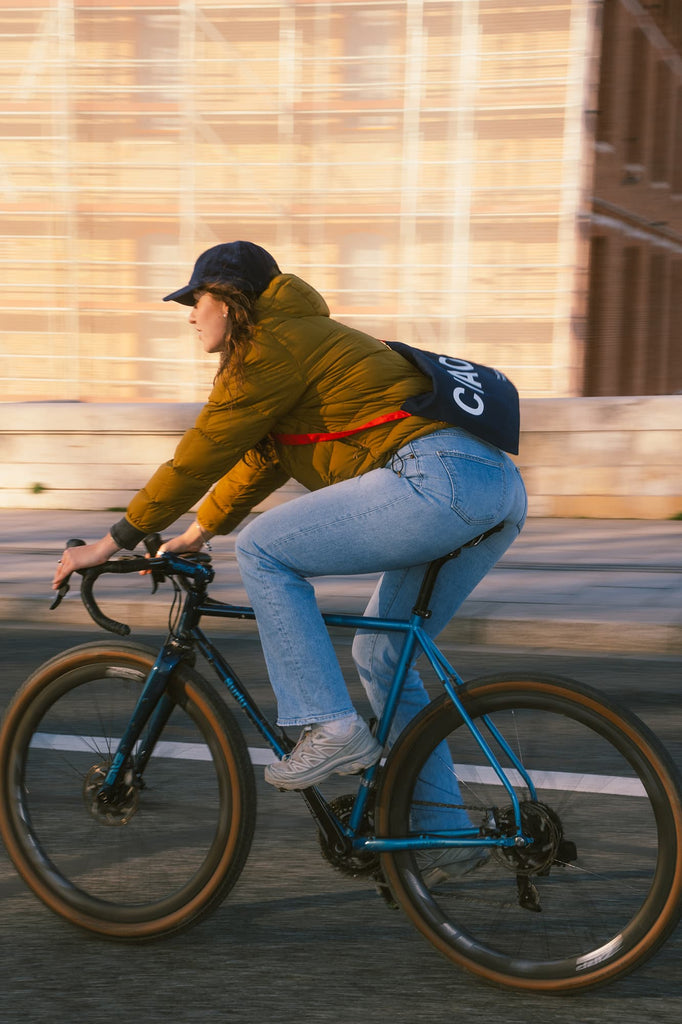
(290, 296)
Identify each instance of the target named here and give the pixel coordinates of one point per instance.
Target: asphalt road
(295, 940)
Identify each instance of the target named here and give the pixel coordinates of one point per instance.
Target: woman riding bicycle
(299, 395)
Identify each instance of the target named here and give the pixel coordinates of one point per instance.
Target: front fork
(153, 709)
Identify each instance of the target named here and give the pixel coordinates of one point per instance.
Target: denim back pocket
(479, 486)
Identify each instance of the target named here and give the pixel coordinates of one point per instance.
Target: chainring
(354, 863)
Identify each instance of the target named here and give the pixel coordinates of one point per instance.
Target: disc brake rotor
(120, 810)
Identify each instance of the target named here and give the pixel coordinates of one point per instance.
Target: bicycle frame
(602, 833)
(154, 708)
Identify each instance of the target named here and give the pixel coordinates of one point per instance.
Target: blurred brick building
(634, 318)
(497, 179)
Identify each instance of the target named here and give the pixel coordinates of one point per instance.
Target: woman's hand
(193, 539)
(83, 557)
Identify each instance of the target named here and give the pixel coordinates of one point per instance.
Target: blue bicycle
(127, 799)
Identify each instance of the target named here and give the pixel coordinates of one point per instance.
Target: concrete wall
(581, 457)
(607, 458)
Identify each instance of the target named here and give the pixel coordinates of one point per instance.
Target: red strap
(314, 438)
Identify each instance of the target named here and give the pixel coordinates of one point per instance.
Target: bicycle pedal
(382, 889)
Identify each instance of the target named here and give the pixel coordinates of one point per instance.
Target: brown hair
(233, 356)
(242, 317)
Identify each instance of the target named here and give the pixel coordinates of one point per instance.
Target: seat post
(421, 607)
(429, 578)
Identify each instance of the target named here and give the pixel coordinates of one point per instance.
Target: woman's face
(211, 320)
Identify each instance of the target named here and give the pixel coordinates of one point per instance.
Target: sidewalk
(578, 584)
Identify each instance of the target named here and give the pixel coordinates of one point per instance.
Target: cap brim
(184, 295)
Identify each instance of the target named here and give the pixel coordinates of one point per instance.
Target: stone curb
(499, 629)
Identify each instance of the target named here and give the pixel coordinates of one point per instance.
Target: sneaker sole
(357, 767)
(354, 768)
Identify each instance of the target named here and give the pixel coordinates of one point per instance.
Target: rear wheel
(174, 841)
(598, 890)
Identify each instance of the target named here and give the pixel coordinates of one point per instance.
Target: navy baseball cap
(244, 264)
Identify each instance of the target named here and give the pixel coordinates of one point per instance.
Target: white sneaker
(318, 754)
(452, 863)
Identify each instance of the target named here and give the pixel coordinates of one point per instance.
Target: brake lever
(64, 588)
(61, 594)
(153, 542)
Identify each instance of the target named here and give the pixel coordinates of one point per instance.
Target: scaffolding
(420, 162)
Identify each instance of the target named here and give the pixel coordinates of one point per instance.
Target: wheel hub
(543, 826)
(120, 809)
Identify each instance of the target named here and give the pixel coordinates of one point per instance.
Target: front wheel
(176, 838)
(598, 890)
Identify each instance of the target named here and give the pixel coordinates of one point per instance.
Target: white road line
(575, 782)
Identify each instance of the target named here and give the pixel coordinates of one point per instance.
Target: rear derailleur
(549, 848)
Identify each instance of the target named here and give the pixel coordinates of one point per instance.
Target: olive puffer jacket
(304, 374)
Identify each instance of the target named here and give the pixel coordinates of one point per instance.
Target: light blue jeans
(436, 493)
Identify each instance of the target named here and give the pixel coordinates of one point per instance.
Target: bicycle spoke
(599, 877)
(169, 844)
